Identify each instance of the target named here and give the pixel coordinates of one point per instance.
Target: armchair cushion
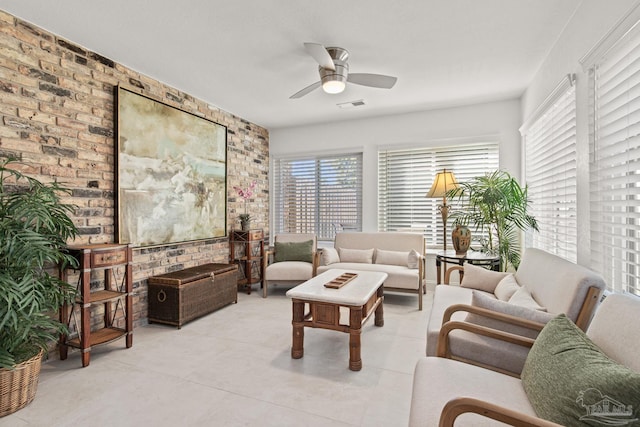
(506, 288)
(566, 375)
(481, 300)
(480, 278)
(294, 251)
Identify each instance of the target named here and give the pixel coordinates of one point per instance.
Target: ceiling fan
(334, 72)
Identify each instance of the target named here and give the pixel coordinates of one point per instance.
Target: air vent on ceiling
(351, 104)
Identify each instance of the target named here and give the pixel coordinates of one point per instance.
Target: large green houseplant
(34, 229)
(497, 206)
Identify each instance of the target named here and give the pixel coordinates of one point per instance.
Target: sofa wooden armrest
(443, 346)
(461, 405)
(514, 320)
(447, 274)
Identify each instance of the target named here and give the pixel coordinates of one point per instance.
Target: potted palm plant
(497, 206)
(34, 229)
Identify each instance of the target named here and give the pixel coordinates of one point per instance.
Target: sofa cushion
(356, 255)
(294, 251)
(329, 256)
(490, 351)
(480, 278)
(566, 374)
(444, 296)
(557, 284)
(506, 288)
(437, 380)
(398, 277)
(392, 257)
(484, 301)
(523, 298)
(413, 260)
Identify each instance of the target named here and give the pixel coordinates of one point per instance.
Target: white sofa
(400, 255)
(557, 285)
(445, 388)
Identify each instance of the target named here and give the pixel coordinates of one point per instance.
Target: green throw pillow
(294, 251)
(570, 381)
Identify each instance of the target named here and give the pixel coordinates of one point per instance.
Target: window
(405, 176)
(318, 194)
(615, 164)
(550, 171)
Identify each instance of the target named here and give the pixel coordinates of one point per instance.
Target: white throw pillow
(481, 300)
(506, 288)
(480, 278)
(356, 255)
(392, 257)
(413, 260)
(329, 256)
(523, 298)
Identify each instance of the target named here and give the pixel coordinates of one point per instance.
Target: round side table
(472, 257)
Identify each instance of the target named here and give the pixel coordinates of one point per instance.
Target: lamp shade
(445, 181)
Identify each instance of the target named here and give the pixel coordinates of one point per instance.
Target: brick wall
(57, 116)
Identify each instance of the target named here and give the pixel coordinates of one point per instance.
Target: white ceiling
(247, 56)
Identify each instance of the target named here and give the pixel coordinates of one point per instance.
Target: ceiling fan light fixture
(333, 86)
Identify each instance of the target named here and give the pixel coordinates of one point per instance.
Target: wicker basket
(18, 386)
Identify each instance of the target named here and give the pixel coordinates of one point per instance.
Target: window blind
(550, 173)
(318, 194)
(615, 164)
(405, 176)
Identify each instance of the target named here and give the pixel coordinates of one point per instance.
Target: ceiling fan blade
(306, 90)
(373, 80)
(321, 55)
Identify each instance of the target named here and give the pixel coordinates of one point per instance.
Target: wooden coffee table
(363, 295)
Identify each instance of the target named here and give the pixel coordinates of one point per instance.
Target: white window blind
(405, 176)
(550, 171)
(615, 164)
(318, 194)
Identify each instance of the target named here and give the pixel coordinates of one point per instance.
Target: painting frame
(171, 173)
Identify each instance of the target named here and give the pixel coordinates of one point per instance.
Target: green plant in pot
(497, 206)
(34, 229)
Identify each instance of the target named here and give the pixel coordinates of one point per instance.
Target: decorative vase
(245, 225)
(461, 237)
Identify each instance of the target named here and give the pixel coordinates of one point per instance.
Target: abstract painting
(171, 168)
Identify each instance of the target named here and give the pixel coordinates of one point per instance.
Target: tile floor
(234, 368)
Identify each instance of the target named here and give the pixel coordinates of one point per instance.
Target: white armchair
(291, 261)
(566, 376)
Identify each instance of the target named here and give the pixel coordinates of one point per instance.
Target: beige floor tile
(234, 368)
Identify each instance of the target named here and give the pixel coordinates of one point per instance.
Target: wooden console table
(116, 294)
(246, 249)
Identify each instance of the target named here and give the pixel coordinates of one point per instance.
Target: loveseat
(543, 286)
(399, 254)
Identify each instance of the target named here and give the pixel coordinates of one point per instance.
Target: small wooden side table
(472, 257)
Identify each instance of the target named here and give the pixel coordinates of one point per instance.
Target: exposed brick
(60, 152)
(72, 47)
(83, 231)
(56, 90)
(44, 77)
(101, 59)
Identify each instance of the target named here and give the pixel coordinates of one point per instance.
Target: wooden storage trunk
(178, 297)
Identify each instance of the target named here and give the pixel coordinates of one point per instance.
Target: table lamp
(444, 182)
